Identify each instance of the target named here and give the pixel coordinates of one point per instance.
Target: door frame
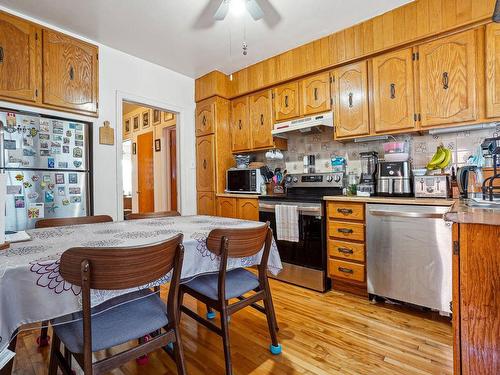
(146, 102)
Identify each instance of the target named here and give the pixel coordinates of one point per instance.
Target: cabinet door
(248, 209)
(206, 204)
(351, 100)
(19, 54)
(448, 80)
(226, 207)
(286, 101)
(315, 92)
(205, 117)
(493, 70)
(240, 127)
(69, 72)
(205, 172)
(261, 119)
(393, 98)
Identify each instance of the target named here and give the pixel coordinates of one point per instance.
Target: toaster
(437, 186)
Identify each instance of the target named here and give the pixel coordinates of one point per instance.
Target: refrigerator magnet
(51, 186)
(61, 191)
(44, 137)
(28, 141)
(63, 164)
(74, 190)
(19, 201)
(77, 163)
(33, 195)
(44, 128)
(33, 132)
(46, 178)
(72, 178)
(19, 177)
(76, 199)
(35, 211)
(35, 178)
(65, 202)
(14, 189)
(68, 133)
(77, 152)
(49, 197)
(27, 184)
(50, 163)
(28, 152)
(44, 152)
(66, 140)
(59, 178)
(52, 208)
(9, 144)
(65, 149)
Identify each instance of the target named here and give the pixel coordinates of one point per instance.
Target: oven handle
(416, 215)
(300, 209)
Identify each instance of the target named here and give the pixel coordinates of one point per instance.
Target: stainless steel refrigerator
(47, 165)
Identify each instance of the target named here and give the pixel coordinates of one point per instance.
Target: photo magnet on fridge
(61, 191)
(60, 178)
(14, 189)
(9, 144)
(72, 178)
(36, 210)
(51, 163)
(19, 201)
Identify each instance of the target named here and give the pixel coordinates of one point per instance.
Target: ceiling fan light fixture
(237, 7)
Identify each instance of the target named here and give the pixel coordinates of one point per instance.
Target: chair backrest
(64, 221)
(148, 215)
(120, 268)
(241, 242)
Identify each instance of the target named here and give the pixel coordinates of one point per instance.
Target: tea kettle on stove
(469, 179)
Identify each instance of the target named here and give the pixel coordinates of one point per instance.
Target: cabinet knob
(71, 73)
(204, 163)
(204, 120)
(446, 80)
(286, 101)
(350, 99)
(393, 91)
(239, 124)
(262, 119)
(315, 93)
(1, 54)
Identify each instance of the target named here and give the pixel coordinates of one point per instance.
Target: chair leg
(271, 322)
(225, 340)
(43, 339)
(53, 363)
(179, 353)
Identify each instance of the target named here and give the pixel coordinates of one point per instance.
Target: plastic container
(419, 171)
(395, 147)
(397, 156)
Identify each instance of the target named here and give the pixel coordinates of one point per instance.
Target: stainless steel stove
(305, 261)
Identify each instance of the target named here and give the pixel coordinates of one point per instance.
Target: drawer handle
(345, 230)
(316, 94)
(345, 270)
(446, 83)
(393, 91)
(345, 250)
(345, 211)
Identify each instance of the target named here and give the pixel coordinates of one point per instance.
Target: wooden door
(351, 100)
(393, 95)
(448, 80)
(456, 298)
(261, 119)
(205, 117)
(70, 72)
(173, 168)
(286, 101)
(240, 127)
(248, 209)
(315, 93)
(206, 204)
(493, 70)
(205, 162)
(19, 59)
(226, 207)
(145, 173)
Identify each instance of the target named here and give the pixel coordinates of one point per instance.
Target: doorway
(150, 168)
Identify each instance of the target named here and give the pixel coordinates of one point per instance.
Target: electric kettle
(469, 179)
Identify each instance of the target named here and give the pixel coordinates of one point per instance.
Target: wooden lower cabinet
(238, 208)
(206, 203)
(346, 246)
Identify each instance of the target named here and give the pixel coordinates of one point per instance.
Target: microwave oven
(243, 180)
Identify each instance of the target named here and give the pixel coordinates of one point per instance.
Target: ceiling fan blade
(254, 9)
(221, 12)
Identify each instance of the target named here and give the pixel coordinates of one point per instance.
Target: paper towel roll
(3, 193)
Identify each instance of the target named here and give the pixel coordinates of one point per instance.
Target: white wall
(125, 76)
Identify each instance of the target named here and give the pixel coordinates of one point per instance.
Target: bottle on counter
(455, 192)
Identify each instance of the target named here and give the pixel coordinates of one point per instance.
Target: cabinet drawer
(346, 270)
(346, 250)
(346, 210)
(346, 230)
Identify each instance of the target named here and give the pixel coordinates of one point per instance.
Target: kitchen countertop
(393, 200)
(463, 214)
(236, 195)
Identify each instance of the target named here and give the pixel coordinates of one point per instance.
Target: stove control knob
(329, 178)
(295, 180)
(288, 179)
(337, 178)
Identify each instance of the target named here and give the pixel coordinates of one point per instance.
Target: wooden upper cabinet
(350, 91)
(205, 117)
(205, 161)
(286, 101)
(240, 127)
(248, 209)
(493, 70)
(70, 72)
(261, 119)
(227, 207)
(448, 80)
(393, 96)
(315, 92)
(19, 58)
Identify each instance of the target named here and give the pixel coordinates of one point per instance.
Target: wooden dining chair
(44, 338)
(216, 290)
(64, 221)
(124, 318)
(151, 215)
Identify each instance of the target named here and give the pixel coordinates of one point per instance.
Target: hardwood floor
(332, 333)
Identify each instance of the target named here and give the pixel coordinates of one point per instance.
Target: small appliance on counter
(491, 183)
(367, 185)
(244, 180)
(436, 186)
(469, 179)
(394, 179)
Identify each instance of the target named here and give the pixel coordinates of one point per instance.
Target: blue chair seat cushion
(238, 282)
(115, 321)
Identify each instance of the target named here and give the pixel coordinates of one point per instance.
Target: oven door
(304, 262)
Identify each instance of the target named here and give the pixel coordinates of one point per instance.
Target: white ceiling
(181, 35)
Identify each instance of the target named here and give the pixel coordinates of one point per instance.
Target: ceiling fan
(251, 5)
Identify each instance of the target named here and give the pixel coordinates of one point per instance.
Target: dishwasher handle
(417, 215)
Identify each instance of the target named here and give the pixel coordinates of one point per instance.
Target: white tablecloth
(31, 289)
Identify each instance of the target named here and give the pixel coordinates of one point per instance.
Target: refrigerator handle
(2, 156)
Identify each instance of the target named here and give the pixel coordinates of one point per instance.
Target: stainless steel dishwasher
(409, 254)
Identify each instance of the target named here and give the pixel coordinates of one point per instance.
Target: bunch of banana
(441, 159)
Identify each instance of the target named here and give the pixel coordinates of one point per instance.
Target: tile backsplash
(422, 148)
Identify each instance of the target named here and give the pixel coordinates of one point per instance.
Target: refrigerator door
(32, 142)
(32, 195)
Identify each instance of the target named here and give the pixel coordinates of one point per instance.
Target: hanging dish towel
(287, 223)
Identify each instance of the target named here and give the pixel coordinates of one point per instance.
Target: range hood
(311, 124)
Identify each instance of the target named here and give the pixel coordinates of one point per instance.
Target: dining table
(32, 290)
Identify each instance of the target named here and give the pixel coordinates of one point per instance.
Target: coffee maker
(367, 182)
(394, 179)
